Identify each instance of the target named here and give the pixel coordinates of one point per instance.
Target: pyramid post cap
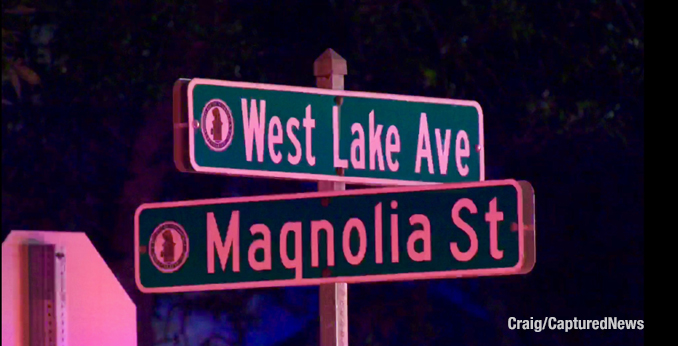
(329, 63)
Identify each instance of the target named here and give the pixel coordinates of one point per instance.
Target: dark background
(86, 134)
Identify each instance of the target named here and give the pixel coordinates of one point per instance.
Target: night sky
(87, 138)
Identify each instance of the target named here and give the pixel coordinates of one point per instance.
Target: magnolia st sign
(384, 234)
(274, 131)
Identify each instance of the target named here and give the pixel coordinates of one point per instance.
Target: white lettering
(309, 124)
(223, 249)
(443, 150)
(293, 123)
(375, 144)
(473, 248)
(316, 226)
(493, 217)
(424, 235)
(254, 128)
(263, 244)
(338, 162)
(354, 223)
(392, 147)
(275, 136)
(462, 150)
(358, 147)
(423, 146)
(291, 263)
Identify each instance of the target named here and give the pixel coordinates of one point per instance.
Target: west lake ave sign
(274, 131)
(368, 235)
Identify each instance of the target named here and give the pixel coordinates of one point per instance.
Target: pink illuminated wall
(97, 311)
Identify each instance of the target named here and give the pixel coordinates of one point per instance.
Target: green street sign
(369, 235)
(275, 131)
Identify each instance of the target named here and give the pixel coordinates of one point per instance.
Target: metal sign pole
(329, 70)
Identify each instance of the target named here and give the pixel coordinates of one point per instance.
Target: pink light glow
(98, 310)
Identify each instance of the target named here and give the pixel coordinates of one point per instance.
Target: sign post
(329, 70)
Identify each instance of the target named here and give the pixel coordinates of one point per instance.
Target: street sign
(368, 235)
(275, 131)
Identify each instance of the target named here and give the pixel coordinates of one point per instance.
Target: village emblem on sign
(217, 125)
(168, 248)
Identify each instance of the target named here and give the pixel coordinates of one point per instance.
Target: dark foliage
(86, 129)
